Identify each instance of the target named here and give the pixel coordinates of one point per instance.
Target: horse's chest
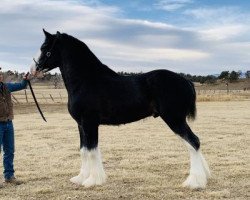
(81, 105)
(75, 108)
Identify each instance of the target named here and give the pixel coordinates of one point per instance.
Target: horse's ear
(58, 34)
(47, 34)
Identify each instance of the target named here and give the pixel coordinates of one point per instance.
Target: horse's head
(49, 55)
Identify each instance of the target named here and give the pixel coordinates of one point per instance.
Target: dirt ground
(143, 160)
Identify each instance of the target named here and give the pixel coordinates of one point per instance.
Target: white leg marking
(97, 175)
(84, 172)
(199, 171)
(205, 166)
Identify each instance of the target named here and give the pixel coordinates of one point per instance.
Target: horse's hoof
(89, 182)
(77, 180)
(195, 182)
(92, 181)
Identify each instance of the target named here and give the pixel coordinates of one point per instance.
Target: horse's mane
(85, 54)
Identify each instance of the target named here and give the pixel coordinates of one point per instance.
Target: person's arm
(12, 87)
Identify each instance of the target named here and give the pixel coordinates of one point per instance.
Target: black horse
(98, 95)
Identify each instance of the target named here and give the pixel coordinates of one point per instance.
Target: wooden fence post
(61, 97)
(51, 97)
(227, 88)
(44, 98)
(26, 96)
(15, 98)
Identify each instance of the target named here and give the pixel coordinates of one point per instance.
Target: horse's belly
(125, 115)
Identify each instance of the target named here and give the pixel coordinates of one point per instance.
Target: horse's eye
(48, 54)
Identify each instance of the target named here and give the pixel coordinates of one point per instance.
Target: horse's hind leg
(199, 171)
(92, 172)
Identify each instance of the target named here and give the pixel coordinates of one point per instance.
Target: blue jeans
(8, 144)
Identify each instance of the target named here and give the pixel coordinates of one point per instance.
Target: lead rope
(34, 97)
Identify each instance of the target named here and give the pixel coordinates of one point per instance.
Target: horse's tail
(192, 106)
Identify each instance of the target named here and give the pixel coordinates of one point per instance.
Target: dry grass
(224, 97)
(143, 160)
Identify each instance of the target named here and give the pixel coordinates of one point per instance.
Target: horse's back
(124, 99)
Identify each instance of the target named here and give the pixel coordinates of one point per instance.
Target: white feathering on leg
(205, 165)
(97, 175)
(199, 171)
(84, 171)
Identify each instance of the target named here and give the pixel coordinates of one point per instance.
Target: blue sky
(189, 36)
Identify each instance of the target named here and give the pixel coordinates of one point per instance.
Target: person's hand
(36, 74)
(27, 76)
(39, 75)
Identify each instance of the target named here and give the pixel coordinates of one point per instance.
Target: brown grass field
(143, 160)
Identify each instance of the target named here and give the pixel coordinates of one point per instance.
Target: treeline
(16, 76)
(227, 76)
(56, 78)
(129, 73)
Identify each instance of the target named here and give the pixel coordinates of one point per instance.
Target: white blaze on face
(33, 66)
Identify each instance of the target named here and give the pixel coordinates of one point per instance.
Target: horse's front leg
(84, 171)
(92, 172)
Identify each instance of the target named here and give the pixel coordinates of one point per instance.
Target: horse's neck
(71, 79)
(75, 75)
(80, 65)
